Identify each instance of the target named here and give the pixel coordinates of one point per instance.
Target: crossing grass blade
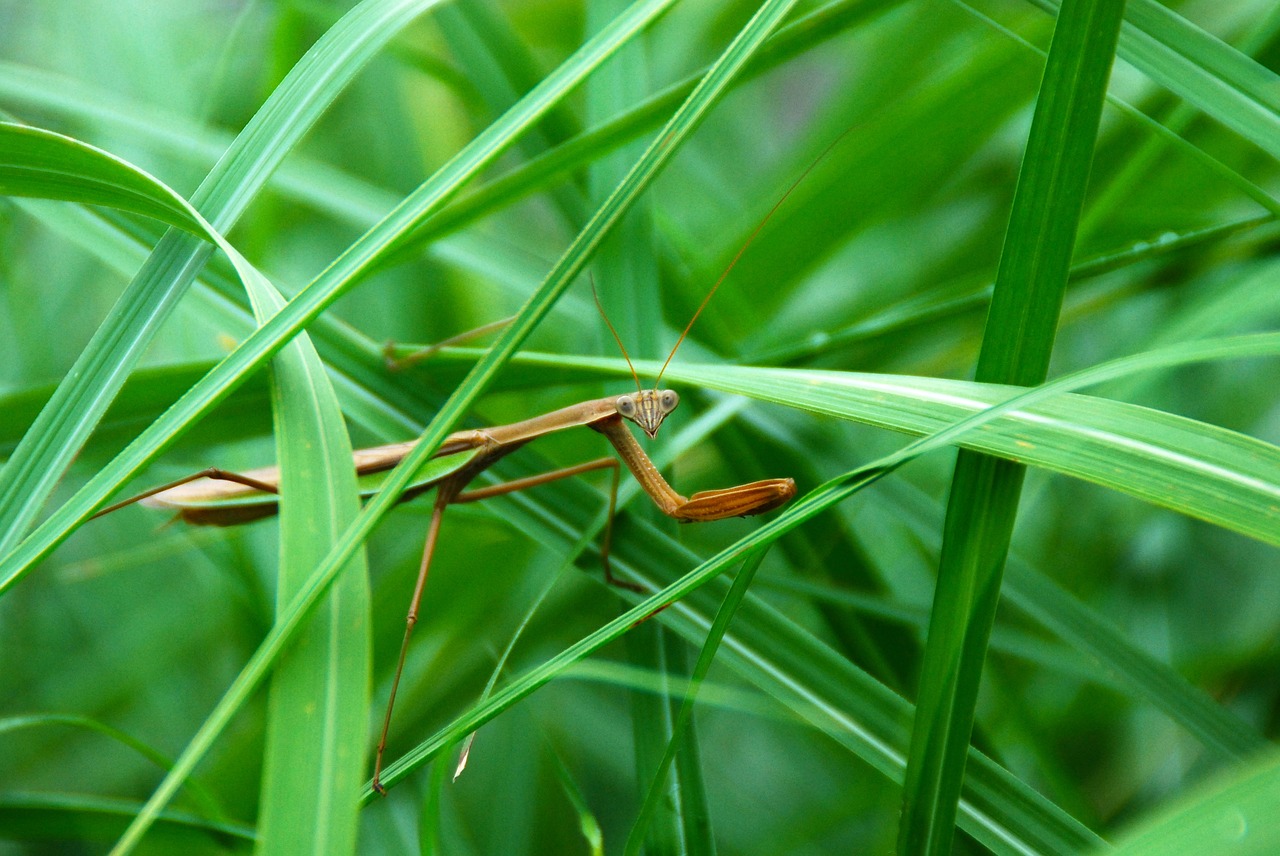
(320, 691)
(63, 426)
(1220, 81)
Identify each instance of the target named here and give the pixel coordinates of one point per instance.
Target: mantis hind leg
(450, 493)
(212, 473)
(396, 364)
(447, 493)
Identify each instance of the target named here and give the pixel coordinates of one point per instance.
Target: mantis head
(648, 407)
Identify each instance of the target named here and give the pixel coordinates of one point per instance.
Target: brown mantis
(222, 498)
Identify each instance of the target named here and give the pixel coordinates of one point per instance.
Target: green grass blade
(38, 163)
(45, 165)
(320, 697)
(198, 793)
(1232, 816)
(1224, 83)
(737, 591)
(64, 425)
(44, 819)
(320, 690)
(1017, 342)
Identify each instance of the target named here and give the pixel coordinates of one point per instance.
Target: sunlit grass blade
(1193, 467)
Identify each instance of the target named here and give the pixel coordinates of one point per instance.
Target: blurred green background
(880, 261)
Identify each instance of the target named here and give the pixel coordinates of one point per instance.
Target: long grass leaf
(320, 689)
(1017, 342)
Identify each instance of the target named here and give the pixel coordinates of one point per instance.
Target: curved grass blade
(319, 695)
(66, 422)
(46, 165)
(38, 163)
(319, 700)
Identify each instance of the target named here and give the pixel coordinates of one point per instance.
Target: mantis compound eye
(627, 406)
(668, 400)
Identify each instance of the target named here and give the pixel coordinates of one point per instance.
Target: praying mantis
(223, 498)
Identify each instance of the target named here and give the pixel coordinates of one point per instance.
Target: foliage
(409, 169)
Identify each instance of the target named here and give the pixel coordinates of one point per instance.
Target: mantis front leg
(739, 501)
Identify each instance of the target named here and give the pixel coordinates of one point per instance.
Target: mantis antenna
(616, 337)
(755, 233)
